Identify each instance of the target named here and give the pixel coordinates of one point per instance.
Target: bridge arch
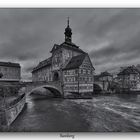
(54, 91)
(97, 88)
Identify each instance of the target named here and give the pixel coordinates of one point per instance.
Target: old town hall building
(69, 65)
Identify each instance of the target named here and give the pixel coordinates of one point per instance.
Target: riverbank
(103, 113)
(10, 111)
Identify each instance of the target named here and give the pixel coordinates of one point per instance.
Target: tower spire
(68, 33)
(68, 21)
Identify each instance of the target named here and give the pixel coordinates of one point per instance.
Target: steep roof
(42, 64)
(129, 70)
(75, 61)
(71, 46)
(55, 47)
(67, 45)
(10, 64)
(105, 73)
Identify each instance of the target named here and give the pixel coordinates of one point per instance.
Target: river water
(110, 113)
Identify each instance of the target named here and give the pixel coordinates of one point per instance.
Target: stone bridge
(55, 87)
(100, 86)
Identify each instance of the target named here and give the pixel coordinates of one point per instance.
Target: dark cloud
(29, 69)
(110, 36)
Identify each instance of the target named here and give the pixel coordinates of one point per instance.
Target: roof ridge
(75, 61)
(10, 64)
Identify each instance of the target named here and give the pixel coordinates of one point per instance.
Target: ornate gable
(87, 63)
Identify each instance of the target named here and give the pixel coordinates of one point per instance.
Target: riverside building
(69, 65)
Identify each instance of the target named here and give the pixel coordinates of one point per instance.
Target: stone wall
(9, 114)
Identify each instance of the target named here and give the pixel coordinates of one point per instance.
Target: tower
(68, 33)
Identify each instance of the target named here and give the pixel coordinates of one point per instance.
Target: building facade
(105, 79)
(106, 76)
(10, 71)
(68, 64)
(129, 78)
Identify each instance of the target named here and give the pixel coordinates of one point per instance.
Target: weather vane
(68, 21)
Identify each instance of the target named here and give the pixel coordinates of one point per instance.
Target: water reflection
(127, 97)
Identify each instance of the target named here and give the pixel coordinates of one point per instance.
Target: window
(91, 79)
(73, 79)
(84, 71)
(91, 72)
(70, 72)
(76, 71)
(88, 71)
(5, 69)
(65, 72)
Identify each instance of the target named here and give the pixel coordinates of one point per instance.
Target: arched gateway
(54, 91)
(56, 76)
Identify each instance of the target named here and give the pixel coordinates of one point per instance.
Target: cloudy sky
(110, 36)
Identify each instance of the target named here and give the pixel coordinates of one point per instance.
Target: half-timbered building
(68, 64)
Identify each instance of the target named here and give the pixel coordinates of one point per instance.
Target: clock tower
(68, 33)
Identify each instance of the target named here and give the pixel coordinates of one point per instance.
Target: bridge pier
(102, 86)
